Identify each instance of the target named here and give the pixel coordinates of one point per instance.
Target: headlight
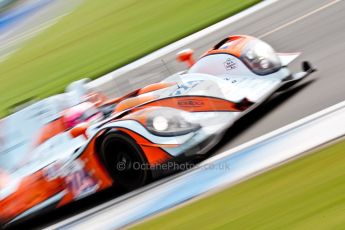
(160, 123)
(260, 57)
(169, 122)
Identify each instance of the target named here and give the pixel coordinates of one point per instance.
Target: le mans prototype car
(175, 120)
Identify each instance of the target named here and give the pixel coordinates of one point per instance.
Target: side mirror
(79, 130)
(186, 56)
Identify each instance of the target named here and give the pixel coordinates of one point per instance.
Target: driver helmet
(83, 112)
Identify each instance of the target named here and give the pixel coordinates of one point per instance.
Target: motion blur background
(46, 44)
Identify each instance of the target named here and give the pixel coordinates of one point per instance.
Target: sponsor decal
(230, 64)
(230, 79)
(190, 103)
(184, 88)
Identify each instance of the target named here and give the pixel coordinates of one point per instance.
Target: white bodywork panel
(219, 64)
(230, 87)
(287, 58)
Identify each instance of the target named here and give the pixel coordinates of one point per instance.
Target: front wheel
(125, 161)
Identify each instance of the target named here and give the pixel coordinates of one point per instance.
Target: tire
(122, 158)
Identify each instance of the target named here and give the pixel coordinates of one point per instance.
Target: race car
(176, 120)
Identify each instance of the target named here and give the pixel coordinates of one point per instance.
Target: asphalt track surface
(314, 27)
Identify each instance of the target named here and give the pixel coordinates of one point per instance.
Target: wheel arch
(100, 139)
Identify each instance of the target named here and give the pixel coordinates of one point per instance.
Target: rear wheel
(125, 161)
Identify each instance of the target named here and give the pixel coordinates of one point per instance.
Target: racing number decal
(79, 181)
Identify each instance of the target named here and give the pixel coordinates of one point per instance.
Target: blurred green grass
(308, 193)
(101, 36)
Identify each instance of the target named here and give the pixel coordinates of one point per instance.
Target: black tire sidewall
(109, 159)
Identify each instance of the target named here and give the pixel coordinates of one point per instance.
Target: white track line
(31, 32)
(300, 18)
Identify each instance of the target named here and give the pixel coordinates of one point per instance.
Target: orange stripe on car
(32, 191)
(156, 86)
(50, 130)
(93, 166)
(196, 104)
(236, 45)
(132, 102)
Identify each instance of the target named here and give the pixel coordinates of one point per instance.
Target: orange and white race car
(176, 120)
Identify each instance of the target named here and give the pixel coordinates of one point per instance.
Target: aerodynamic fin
(287, 58)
